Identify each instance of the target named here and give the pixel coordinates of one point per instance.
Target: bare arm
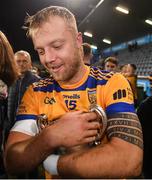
(23, 152)
(121, 157)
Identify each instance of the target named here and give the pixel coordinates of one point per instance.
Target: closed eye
(58, 47)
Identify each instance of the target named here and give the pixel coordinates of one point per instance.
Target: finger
(89, 139)
(91, 116)
(93, 125)
(91, 133)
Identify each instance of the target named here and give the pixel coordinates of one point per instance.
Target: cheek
(68, 50)
(42, 59)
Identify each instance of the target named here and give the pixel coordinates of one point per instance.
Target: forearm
(23, 152)
(24, 156)
(120, 157)
(109, 161)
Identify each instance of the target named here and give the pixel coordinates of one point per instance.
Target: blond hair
(33, 23)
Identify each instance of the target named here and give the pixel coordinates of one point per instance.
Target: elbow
(136, 169)
(12, 165)
(135, 165)
(10, 170)
(14, 168)
(9, 166)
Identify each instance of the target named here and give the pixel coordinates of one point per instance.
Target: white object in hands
(50, 164)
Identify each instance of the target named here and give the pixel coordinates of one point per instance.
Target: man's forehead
(53, 23)
(22, 56)
(109, 62)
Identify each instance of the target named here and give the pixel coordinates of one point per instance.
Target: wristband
(50, 164)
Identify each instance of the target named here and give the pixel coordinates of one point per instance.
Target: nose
(20, 63)
(50, 55)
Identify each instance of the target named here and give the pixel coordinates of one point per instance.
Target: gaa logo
(48, 100)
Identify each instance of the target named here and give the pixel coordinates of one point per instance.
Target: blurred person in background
(129, 71)
(123, 68)
(99, 64)
(8, 74)
(111, 64)
(87, 52)
(24, 65)
(36, 71)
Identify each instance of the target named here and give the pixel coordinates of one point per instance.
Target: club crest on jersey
(92, 96)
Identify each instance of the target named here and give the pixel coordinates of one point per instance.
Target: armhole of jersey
(28, 127)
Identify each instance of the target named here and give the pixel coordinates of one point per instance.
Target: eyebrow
(110, 65)
(51, 43)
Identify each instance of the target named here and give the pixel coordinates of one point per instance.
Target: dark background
(104, 22)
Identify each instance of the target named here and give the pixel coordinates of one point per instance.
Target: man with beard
(63, 102)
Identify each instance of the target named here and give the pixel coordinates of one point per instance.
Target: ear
(79, 39)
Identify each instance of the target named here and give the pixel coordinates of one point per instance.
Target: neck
(77, 77)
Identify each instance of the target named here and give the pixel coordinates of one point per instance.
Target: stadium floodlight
(88, 34)
(93, 47)
(148, 21)
(106, 41)
(123, 10)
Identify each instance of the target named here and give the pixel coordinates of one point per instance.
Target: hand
(72, 129)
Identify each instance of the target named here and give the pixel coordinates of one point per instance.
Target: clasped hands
(73, 130)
